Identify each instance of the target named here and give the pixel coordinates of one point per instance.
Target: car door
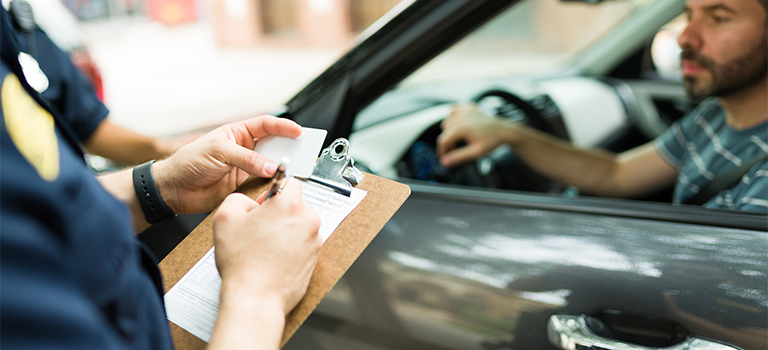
(472, 269)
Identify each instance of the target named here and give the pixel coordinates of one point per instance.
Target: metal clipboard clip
(336, 169)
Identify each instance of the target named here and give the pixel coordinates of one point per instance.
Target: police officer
(72, 277)
(63, 86)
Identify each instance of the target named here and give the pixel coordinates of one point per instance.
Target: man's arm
(124, 146)
(598, 172)
(593, 171)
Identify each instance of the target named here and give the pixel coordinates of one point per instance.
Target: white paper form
(193, 303)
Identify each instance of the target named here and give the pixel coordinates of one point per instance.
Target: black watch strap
(152, 204)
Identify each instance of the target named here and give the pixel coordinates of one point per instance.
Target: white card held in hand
(302, 151)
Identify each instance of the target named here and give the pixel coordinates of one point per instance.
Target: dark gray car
(494, 256)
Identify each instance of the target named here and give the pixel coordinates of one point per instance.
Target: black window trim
(413, 37)
(683, 214)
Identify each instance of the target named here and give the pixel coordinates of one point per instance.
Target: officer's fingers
(290, 194)
(260, 199)
(262, 196)
(290, 202)
(247, 160)
(268, 125)
(236, 205)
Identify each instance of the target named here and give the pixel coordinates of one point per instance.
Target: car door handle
(570, 332)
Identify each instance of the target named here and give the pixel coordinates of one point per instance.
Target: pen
(277, 182)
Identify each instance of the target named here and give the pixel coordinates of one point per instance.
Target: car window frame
(374, 66)
(426, 28)
(617, 207)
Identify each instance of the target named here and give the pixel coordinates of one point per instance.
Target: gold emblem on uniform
(31, 128)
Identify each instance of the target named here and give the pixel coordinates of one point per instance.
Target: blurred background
(169, 67)
(166, 67)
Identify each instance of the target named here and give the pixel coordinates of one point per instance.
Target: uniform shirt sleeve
(68, 92)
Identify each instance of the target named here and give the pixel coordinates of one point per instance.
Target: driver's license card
(301, 151)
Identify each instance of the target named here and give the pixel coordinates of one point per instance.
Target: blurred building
(292, 22)
(252, 22)
(98, 9)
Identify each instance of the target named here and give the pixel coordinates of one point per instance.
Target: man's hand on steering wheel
(481, 133)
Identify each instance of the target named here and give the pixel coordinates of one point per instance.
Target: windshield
(532, 37)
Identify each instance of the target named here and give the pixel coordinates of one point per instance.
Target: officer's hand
(199, 175)
(481, 133)
(266, 251)
(166, 146)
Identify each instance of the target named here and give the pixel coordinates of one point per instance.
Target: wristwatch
(152, 204)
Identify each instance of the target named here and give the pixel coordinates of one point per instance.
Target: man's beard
(729, 77)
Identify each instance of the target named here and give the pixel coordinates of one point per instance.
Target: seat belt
(723, 181)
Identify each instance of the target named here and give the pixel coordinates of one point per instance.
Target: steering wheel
(501, 168)
(532, 117)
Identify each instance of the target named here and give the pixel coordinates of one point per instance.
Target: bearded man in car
(724, 62)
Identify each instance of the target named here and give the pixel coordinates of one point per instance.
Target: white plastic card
(301, 151)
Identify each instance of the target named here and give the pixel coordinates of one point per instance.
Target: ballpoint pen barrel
(276, 182)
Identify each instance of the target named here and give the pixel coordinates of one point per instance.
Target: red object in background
(83, 61)
(171, 11)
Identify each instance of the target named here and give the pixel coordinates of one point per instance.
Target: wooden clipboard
(338, 253)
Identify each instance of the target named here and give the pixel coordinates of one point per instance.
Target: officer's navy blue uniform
(72, 274)
(68, 92)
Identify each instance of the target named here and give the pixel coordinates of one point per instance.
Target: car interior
(535, 63)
